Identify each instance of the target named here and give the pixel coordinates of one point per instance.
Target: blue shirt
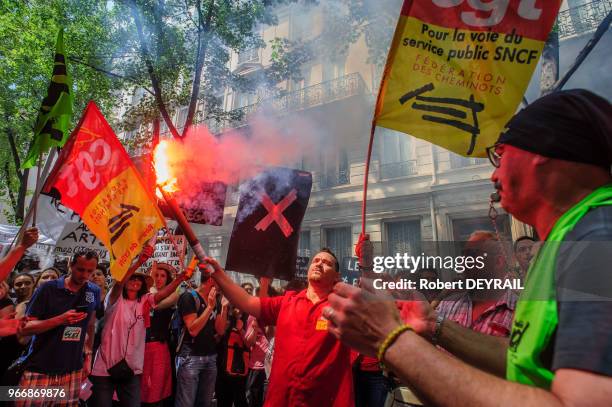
(60, 350)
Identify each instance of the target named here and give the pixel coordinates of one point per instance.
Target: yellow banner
(456, 85)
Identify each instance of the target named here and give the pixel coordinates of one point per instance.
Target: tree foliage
(28, 31)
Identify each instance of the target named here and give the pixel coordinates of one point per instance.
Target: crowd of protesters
(159, 338)
(156, 339)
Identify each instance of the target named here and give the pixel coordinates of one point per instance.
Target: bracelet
(389, 340)
(436, 336)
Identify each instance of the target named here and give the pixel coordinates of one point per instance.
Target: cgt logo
(496, 10)
(518, 330)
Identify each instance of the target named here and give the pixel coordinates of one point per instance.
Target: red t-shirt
(310, 368)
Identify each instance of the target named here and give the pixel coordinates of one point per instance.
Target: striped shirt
(496, 320)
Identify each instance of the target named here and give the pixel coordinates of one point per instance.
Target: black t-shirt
(204, 343)
(583, 338)
(159, 331)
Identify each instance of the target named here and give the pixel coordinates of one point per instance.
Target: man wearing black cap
(552, 172)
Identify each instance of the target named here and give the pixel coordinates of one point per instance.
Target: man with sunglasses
(552, 172)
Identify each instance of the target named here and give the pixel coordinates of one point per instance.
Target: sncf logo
(489, 13)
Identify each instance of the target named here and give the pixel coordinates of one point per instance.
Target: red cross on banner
(275, 213)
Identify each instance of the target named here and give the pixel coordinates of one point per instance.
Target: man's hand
(209, 261)
(29, 237)
(9, 327)
(72, 317)
(361, 319)
(364, 250)
(419, 314)
(212, 298)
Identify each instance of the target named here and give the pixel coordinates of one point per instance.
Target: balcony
(582, 19)
(316, 95)
(398, 169)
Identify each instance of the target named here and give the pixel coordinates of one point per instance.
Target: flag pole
(34, 202)
(366, 176)
(37, 191)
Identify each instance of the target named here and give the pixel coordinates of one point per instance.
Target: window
(335, 169)
(396, 151)
(304, 244)
(339, 241)
(404, 237)
(463, 228)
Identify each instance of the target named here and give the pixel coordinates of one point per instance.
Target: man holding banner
(552, 172)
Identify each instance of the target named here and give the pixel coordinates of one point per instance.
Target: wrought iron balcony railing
(398, 169)
(582, 19)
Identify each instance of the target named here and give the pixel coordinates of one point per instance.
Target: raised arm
(194, 323)
(8, 262)
(234, 293)
(117, 288)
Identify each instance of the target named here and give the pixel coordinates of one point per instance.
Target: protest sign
(266, 231)
(165, 252)
(76, 237)
(457, 70)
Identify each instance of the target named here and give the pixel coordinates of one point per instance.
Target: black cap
(573, 125)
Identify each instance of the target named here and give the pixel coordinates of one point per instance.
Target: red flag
(95, 177)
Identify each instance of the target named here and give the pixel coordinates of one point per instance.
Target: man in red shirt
(310, 367)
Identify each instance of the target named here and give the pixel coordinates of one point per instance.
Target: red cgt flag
(95, 177)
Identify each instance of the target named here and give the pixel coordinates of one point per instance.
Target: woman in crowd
(47, 274)
(119, 361)
(23, 285)
(99, 278)
(156, 383)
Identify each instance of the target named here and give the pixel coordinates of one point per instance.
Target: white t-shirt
(123, 317)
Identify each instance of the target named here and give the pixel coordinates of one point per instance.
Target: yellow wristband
(389, 340)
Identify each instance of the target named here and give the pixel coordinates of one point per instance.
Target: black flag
(267, 228)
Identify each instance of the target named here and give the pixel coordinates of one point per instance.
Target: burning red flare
(163, 170)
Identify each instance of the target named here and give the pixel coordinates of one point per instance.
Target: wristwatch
(436, 335)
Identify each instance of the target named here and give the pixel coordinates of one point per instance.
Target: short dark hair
(520, 239)
(24, 274)
(88, 254)
(328, 251)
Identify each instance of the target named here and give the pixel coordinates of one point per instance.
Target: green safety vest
(535, 319)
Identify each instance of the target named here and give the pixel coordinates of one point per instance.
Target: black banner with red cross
(267, 228)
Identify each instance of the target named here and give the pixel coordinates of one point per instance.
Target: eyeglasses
(494, 156)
